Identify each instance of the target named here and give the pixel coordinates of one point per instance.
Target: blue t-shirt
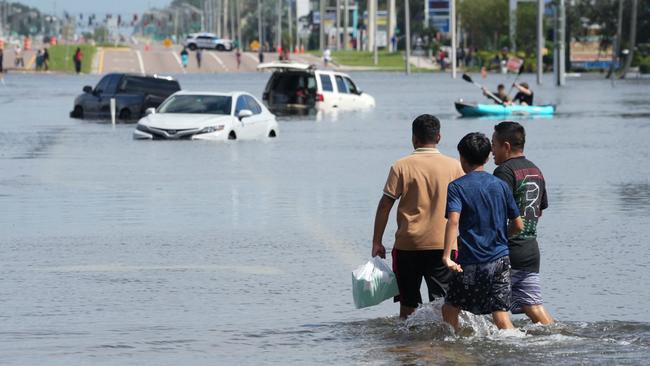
(485, 204)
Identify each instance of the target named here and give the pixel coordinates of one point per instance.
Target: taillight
(320, 97)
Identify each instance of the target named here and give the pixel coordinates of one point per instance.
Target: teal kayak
(476, 110)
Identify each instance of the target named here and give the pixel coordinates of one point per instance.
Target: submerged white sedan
(207, 116)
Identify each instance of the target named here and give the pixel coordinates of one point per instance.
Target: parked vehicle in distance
(296, 88)
(208, 41)
(133, 94)
(207, 116)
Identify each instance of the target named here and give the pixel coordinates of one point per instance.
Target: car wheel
(232, 135)
(125, 114)
(272, 134)
(192, 47)
(78, 112)
(220, 47)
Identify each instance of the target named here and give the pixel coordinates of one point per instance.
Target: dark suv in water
(133, 95)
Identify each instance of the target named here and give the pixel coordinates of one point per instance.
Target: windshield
(200, 104)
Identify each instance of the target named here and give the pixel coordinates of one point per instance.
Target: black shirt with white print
(529, 189)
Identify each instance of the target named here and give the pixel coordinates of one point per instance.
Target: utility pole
(218, 17)
(374, 33)
(346, 24)
(290, 24)
(259, 24)
(321, 28)
(225, 9)
(407, 22)
(512, 29)
(391, 24)
(452, 26)
(238, 12)
(338, 24)
(560, 30)
(372, 11)
(279, 27)
(231, 10)
(540, 40)
(630, 54)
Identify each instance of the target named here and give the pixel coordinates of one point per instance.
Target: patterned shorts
(481, 288)
(526, 290)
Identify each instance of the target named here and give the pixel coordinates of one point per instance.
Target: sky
(95, 6)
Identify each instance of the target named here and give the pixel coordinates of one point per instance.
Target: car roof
(198, 92)
(286, 65)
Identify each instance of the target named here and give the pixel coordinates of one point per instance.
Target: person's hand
(378, 249)
(451, 265)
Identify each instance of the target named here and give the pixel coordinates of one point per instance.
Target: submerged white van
(296, 88)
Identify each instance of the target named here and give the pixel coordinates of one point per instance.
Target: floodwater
(123, 252)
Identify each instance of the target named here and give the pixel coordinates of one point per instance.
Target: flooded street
(123, 252)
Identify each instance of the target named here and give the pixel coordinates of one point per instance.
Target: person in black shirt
(529, 189)
(524, 96)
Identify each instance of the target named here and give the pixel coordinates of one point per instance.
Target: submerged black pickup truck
(133, 95)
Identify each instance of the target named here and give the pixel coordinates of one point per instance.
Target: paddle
(521, 70)
(489, 94)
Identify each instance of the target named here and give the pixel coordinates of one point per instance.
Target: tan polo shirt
(420, 183)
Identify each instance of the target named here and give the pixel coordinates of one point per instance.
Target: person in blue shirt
(478, 208)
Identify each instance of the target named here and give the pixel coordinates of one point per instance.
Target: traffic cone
(302, 49)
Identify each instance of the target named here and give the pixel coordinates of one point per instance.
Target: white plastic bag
(373, 283)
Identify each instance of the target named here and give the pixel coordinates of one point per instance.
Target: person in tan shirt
(419, 181)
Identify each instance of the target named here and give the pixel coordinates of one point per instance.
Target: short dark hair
(426, 129)
(475, 148)
(512, 133)
(501, 86)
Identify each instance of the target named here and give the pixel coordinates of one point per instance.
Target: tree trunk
(632, 45)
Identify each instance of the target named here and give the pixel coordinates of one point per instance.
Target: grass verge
(62, 56)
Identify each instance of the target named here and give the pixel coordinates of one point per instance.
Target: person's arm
(381, 219)
(522, 89)
(451, 235)
(392, 191)
(515, 226)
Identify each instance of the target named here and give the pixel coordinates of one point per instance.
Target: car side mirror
(244, 113)
(87, 89)
(149, 111)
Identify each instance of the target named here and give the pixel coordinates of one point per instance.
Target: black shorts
(411, 265)
(482, 288)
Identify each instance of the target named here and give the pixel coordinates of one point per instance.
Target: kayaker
(500, 94)
(524, 95)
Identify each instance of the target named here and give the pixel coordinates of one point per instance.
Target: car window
(241, 105)
(253, 105)
(103, 83)
(200, 104)
(112, 83)
(351, 87)
(340, 84)
(326, 82)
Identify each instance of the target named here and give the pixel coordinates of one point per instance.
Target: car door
(91, 105)
(346, 99)
(329, 96)
(247, 125)
(110, 91)
(258, 119)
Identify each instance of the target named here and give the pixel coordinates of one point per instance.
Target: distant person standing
(78, 58)
(327, 56)
(1, 60)
(46, 59)
(184, 57)
(260, 55)
(238, 57)
(39, 60)
(199, 56)
(18, 57)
